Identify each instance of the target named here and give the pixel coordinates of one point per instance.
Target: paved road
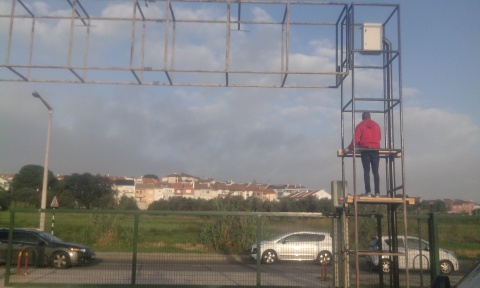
(186, 269)
(194, 269)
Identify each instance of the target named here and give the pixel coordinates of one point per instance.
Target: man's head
(365, 115)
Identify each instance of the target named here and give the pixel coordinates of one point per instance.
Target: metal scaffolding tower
(374, 48)
(148, 33)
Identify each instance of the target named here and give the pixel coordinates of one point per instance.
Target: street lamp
(45, 167)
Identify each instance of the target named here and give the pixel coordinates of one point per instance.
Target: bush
(230, 234)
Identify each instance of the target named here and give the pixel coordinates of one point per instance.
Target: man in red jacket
(368, 135)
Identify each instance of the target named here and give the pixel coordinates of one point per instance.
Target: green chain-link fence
(212, 249)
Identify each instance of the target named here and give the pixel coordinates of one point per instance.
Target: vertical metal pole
(355, 202)
(346, 250)
(174, 36)
(9, 42)
(394, 246)
(87, 46)
(70, 41)
(336, 245)
(401, 141)
(142, 64)
(132, 42)
(433, 240)
(421, 256)
(32, 33)
(45, 174)
(10, 247)
(287, 38)
(380, 248)
(53, 220)
(167, 21)
(282, 49)
(227, 43)
(134, 250)
(259, 249)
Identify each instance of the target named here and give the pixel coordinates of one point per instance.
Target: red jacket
(367, 135)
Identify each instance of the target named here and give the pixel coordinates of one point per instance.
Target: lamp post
(43, 204)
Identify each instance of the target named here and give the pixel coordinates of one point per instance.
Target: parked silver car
(297, 246)
(43, 249)
(418, 255)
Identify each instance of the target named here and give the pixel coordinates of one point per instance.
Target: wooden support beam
(376, 200)
(396, 153)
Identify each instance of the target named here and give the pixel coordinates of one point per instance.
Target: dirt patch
(470, 254)
(152, 245)
(191, 247)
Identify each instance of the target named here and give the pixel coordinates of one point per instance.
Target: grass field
(182, 233)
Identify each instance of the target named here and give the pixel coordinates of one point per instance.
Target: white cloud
(441, 156)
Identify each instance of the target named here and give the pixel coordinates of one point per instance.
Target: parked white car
(418, 255)
(296, 246)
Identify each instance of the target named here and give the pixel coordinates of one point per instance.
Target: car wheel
(60, 260)
(385, 266)
(446, 267)
(324, 257)
(269, 257)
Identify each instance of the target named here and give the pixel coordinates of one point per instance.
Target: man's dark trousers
(371, 157)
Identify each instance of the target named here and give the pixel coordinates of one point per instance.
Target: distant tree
(438, 206)
(27, 185)
(127, 203)
(268, 206)
(90, 191)
(325, 206)
(31, 176)
(256, 204)
(234, 203)
(424, 207)
(238, 203)
(161, 205)
(308, 204)
(5, 199)
(285, 205)
(151, 176)
(65, 197)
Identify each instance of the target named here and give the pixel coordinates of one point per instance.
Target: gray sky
(278, 136)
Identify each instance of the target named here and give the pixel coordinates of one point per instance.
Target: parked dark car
(43, 249)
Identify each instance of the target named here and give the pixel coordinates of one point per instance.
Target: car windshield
(49, 237)
(418, 244)
(299, 237)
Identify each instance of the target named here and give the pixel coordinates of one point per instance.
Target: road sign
(54, 203)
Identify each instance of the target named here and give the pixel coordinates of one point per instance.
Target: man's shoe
(368, 194)
(377, 195)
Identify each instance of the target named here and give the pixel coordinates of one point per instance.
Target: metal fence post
(380, 248)
(336, 249)
(10, 247)
(259, 249)
(134, 250)
(419, 232)
(433, 249)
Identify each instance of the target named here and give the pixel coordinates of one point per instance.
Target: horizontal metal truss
(150, 44)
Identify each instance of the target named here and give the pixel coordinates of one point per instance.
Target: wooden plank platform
(385, 152)
(376, 200)
(375, 252)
